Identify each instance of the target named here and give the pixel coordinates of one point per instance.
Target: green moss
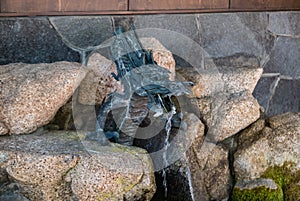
(257, 194)
(280, 174)
(287, 178)
(292, 192)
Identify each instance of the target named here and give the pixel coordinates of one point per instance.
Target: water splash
(166, 146)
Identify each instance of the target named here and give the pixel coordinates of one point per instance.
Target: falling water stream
(189, 177)
(166, 146)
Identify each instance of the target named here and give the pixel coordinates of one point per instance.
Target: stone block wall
(267, 39)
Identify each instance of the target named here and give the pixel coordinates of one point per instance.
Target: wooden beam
(137, 5)
(265, 4)
(31, 14)
(8, 6)
(93, 5)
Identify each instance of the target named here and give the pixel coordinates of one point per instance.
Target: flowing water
(166, 146)
(189, 177)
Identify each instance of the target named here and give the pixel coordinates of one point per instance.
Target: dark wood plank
(135, 5)
(93, 5)
(28, 5)
(265, 4)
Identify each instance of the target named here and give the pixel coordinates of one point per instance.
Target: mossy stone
(292, 192)
(257, 190)
(287, 178)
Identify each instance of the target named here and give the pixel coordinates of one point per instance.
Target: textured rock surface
(284, 23)
(226, 115)
(251, 134)
(224, 98)
(57, 166)
(240, 79)
(227, 79)
(231, 116)
(268, 183)
(32, 40)
(275, 146)
(208, 164)
(161, 55)
(209, 171)
(99, 82)
(205, 83)
(32, 94)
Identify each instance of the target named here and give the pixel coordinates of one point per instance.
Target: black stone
(183, 24)
(84, 33)
(286, 98)
(285, 58)
(32, 40)
(262, 91)
(229, 34)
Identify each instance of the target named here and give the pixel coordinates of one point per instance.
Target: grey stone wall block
(285, 57)
(32, 40)
(228, 34)
(285, 23)
(83, 32)
(286, 98)
(183, 24)
(263, 90)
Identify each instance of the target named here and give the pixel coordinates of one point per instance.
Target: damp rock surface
(61, 165)
(31, 94)
(161, 55)
(204, 166)
(209, 171)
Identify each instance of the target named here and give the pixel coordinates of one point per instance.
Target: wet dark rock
(286, 98)
(263, 90)
(284, 58)
(32, 40)
(11, 192)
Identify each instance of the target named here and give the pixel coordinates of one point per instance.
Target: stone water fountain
(211, 142)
